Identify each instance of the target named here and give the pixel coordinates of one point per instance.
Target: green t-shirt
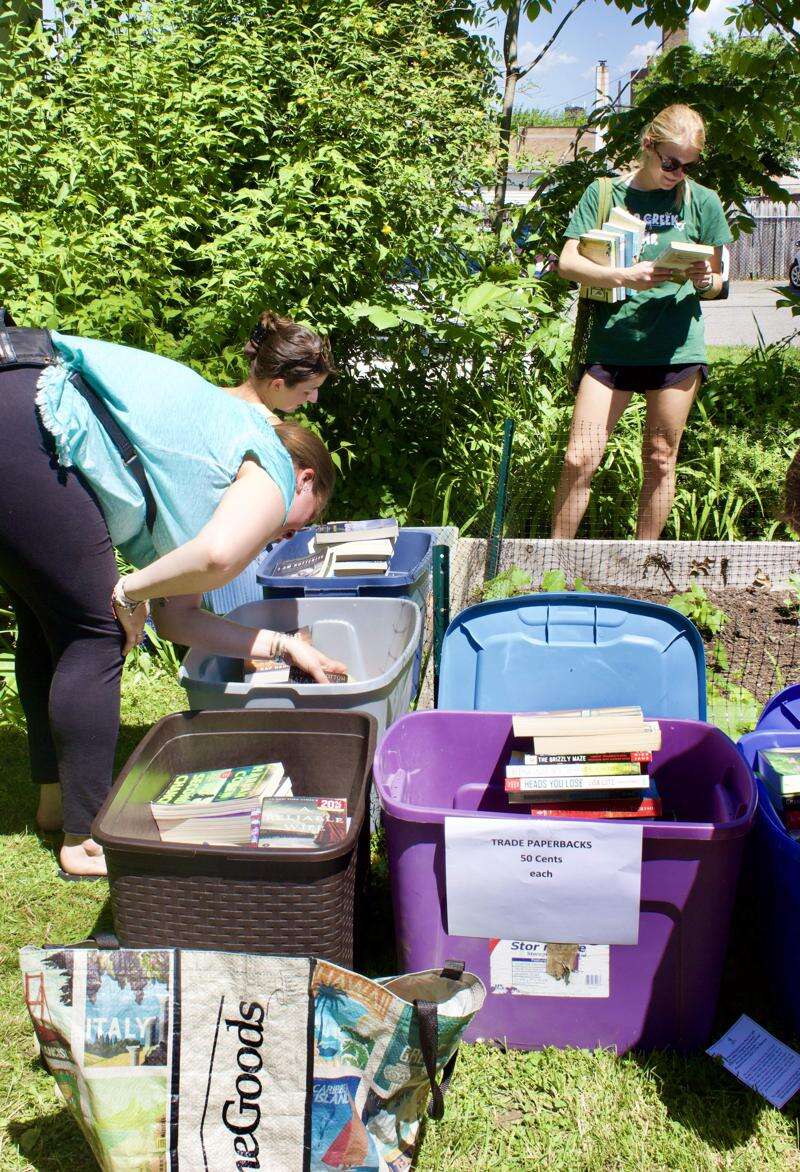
(661, 326)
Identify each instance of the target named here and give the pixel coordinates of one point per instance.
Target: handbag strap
(130, 457)
(428, 1022)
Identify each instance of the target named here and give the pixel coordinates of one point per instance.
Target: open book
(681, 254)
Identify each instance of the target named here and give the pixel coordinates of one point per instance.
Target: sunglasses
(670, 164)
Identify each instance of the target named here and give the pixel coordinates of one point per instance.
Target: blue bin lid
(573, 650)
(412, 554)
(782, 712)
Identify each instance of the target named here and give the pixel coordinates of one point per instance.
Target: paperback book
(780, 770)
(648, 806)
(561, 783)
(336, 532)
(681, 254)
(237, 788)
(521, 769)
(305, 821)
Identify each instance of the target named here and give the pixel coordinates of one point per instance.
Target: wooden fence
(768, 252)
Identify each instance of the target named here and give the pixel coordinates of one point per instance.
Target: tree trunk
(511, 62)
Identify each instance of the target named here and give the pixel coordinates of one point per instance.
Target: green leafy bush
(696, 605)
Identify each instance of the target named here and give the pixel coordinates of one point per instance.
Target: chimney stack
(601, 96)
(671, 40)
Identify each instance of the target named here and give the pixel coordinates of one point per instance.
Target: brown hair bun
(281, 348)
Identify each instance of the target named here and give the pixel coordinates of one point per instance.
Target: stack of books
(217, 806)
(344, 548)
(279, 671)
(585, 763)
(249, 805)
(779, 769)
(616, 245)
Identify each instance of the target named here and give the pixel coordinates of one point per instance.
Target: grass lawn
(567, 1110)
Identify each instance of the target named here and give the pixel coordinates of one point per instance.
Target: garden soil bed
(761, 638)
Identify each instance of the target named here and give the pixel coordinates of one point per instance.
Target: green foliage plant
(507, 584)
(791, 601)
(697, 606)
(556, 582)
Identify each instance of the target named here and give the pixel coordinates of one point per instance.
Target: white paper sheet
(759, 1060)
(552, 880)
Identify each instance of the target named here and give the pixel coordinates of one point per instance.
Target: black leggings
(57, 565)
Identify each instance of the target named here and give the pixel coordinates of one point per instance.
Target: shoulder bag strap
(130, 457)
(605, 198)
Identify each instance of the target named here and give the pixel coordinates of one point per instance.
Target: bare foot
(49, 817)
(82, 856)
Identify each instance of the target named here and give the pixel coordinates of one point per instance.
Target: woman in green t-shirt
(653, 340)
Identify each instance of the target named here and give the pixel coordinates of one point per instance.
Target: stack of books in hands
(585, 763)
(344, 548)
(280, 671)
(616, 245)
(779, 769)
(217, 806)
(249, 805)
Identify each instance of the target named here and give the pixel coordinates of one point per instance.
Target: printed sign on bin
(551, 881)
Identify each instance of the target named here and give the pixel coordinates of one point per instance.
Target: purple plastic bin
(663, 990)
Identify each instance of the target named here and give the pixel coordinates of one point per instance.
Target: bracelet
(120, 598)
(278, 647)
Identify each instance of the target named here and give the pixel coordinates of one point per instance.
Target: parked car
(794, 268)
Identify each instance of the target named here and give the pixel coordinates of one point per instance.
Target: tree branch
(521, 72)
(775, 19)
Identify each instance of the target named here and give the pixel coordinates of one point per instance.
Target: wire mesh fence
(616, 529)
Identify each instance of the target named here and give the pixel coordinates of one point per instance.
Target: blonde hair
(683, 126)
(678, 124)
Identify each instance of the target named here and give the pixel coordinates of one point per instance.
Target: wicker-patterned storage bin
(241, 898)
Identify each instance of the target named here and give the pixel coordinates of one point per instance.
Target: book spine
(589, 769)
(650, 808)
(551, 784)
(641, 756)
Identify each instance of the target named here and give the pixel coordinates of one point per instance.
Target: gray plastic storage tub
(375, 637)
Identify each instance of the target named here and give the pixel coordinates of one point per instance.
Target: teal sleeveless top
(190, 435)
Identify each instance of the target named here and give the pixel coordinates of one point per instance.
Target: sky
(565, 75)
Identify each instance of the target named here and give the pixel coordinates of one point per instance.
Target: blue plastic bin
(408, 576)
(782, 712)
(774, 865)
(566, 650)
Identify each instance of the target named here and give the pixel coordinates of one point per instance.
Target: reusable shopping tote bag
(188, 1060)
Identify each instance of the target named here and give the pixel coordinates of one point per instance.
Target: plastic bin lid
(547, 651)
(782, 712)
(409, 561)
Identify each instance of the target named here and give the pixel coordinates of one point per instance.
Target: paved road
(733, 322)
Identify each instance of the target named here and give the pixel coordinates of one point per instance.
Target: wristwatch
(708, 281)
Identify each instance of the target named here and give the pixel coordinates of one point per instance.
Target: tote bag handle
(428, 1023)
